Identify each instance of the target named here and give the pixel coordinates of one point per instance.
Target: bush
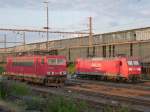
(11, 88)
(34, 103)
(61, 104)
(3, 90)
(2, 70)
(123, 109)
(71, 68)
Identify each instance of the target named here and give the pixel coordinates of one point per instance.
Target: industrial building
(134, 42)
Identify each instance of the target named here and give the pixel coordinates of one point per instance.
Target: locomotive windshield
(61, 61)
(133, 63)
(51, 62)
(56, 61)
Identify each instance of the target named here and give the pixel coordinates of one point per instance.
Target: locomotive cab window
(60, 61)
(130, 63)
(133, 63)
(52, 62)
(136, 63)
(56, 61)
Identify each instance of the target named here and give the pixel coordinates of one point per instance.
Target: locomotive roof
(29, 56)
(110, 58)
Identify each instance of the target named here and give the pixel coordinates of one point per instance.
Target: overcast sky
(108, 15)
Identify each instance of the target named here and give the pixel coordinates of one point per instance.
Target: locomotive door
(41, 65)
(120, 67)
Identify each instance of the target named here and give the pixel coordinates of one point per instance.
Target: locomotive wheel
(54, 81)
(118, 79)
(99, 77)
(124, 80)
(104, 78)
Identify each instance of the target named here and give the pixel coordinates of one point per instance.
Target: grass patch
(31, 102)
(71, 68)
(12, 88)
(19, 89)
(10, 106)
(3, 90)
(35, 103)
(2, 69)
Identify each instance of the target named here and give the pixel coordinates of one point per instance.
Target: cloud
(72, 15)
(106, 13)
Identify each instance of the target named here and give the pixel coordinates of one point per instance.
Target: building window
(113, 50)
(109, 50)
(104, 51)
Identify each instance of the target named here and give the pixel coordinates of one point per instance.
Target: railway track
(102, 93)
(137, 104)
(140, 86)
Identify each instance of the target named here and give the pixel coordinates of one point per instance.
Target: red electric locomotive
(117, 68)
(41, 69)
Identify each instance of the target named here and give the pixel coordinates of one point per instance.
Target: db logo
(96, 65)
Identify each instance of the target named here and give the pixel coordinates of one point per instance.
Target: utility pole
(24, 40)
(90, 48)
(90, 32)
(47, 27)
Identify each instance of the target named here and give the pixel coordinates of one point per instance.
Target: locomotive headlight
(64, 73)
(139, 69)
(48, 73)
(130, 69)
(61, 73)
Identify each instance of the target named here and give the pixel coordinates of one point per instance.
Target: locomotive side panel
(99, 67)
(111, 67)
(23, 65)
(38, 69)
(40, 66)
(120, 67)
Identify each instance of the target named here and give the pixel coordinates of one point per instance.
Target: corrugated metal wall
(122, 49)
(64, 52)
(98, 51)
(106, 45)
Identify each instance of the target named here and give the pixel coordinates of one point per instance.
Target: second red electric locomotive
(116, 68)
